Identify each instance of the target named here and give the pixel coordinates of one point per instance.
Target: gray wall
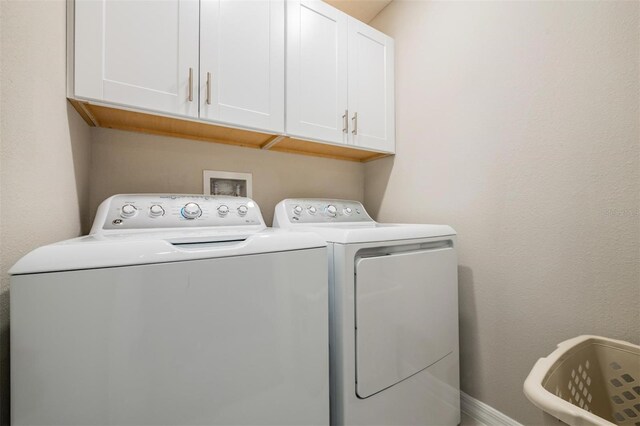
(44, 147)
(518, 124)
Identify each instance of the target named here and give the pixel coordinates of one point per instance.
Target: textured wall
(124, 162)
(46, 155)
(44, 151)
(517, 123)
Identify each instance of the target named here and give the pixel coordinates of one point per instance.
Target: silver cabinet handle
(190, 84)
(355, 123)
(208, 88)
(345, 121)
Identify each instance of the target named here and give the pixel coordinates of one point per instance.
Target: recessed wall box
(227, 183)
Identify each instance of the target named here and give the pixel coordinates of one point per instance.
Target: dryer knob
(297, 210)
(348, 211)
(312, 210)
(128, 211)
(223, 210)
(242, 210)
(332, 210)
(191, 211)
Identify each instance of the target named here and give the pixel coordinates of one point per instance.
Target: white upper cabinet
(298, 68)
(340, 79)
(371, 88)
(316, 71)
(242, 63)
(138, 53)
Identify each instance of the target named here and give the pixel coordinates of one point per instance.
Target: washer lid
(139, 229)
(406, 314)
(92, 252)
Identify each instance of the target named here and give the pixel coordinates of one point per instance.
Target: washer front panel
(159, 211)
(208, 342)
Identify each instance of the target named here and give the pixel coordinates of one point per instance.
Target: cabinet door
(242, 63)
(142, 54)
(316, 71)
(371, 88)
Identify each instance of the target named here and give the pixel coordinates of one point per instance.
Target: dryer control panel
(159, 211)
(319, 210)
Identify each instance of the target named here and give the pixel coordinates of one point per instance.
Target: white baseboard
(483, 413)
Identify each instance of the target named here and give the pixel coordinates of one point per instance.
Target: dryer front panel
(405, 314)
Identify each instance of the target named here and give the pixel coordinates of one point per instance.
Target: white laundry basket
(588, 380)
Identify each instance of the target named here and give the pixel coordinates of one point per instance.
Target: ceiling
(364, 10)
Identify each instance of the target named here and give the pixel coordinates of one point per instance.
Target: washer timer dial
(191, 211)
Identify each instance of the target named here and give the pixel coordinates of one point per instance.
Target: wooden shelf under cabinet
(135, 121)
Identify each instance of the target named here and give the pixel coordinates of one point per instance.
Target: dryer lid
(347, 222)
(406, 315)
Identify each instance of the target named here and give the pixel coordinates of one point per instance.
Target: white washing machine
(175, 310)
(394, 351)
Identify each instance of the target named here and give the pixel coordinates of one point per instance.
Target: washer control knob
(223, 210)
(297, 210)
(128, 211)
(156, 211)
(312, 210)
(332, 210)
(348, 211)
(191, 211)
(242, 210)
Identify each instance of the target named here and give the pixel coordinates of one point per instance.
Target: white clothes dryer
(394, 353)
(175, 310)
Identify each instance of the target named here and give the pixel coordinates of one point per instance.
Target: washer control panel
(316, 210)
(146, 211)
